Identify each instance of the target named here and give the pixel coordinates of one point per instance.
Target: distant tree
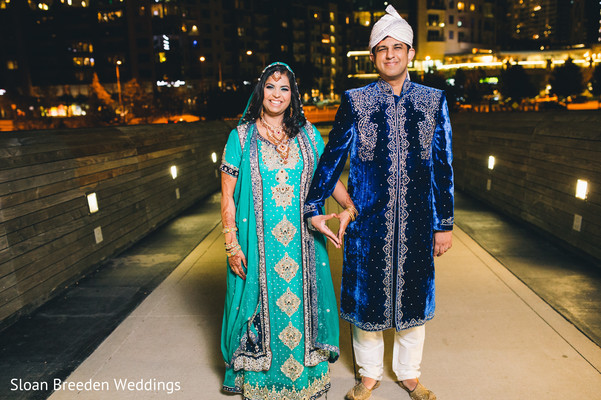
(47, 96)
(137, 102)
(469, 85)
(170, 101)
(596, 81)
(436, 79)
(102, 106)
(566, 80)
(516, 83)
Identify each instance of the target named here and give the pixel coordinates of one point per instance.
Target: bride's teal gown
(280, 326)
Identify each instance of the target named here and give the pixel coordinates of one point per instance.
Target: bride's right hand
(238, 264)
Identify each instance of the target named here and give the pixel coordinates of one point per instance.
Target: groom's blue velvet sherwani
(401, 182)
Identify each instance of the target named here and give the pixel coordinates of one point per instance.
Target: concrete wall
(539, 159)
(49, 238)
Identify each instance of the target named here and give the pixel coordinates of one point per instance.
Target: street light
(119, 89)
(202, 60)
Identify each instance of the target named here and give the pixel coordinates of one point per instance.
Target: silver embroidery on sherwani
(364, 104)
(426, 101)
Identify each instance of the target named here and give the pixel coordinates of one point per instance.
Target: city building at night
(53, 49)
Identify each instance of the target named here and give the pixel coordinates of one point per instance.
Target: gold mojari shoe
(419, 393)
(361, 392)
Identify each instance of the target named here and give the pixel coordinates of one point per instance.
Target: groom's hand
(319, 223)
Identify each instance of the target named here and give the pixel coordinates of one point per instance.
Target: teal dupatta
(245, 341)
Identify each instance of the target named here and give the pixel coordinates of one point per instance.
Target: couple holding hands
(280, 326)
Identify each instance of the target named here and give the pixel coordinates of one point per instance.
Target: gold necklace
(277, 136)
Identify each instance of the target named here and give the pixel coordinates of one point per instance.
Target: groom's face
(391, 58)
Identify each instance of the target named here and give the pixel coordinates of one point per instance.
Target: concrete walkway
(492, 338)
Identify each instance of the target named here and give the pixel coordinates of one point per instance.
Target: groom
(398, 135)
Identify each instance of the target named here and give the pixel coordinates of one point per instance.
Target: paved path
(492, 338)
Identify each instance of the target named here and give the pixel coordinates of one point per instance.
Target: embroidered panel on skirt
(288, 376)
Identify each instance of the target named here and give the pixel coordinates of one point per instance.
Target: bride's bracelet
(232, 249)
(228, 230)
(352, 212)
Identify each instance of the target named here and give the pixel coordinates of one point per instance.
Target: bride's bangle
(352, 212)
(228, 230)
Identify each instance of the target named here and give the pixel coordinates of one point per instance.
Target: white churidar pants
(406, 354)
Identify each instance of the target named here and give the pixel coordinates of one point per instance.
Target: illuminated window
(110, 16)
(83, 61)
(81, 47)
(12, 64)
(433, 19)
(157, 10)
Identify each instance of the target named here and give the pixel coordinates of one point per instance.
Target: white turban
(393, 25)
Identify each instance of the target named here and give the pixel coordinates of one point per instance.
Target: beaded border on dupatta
(261, 359)
(315, 353)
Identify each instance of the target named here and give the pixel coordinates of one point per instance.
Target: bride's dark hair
(294, 118)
